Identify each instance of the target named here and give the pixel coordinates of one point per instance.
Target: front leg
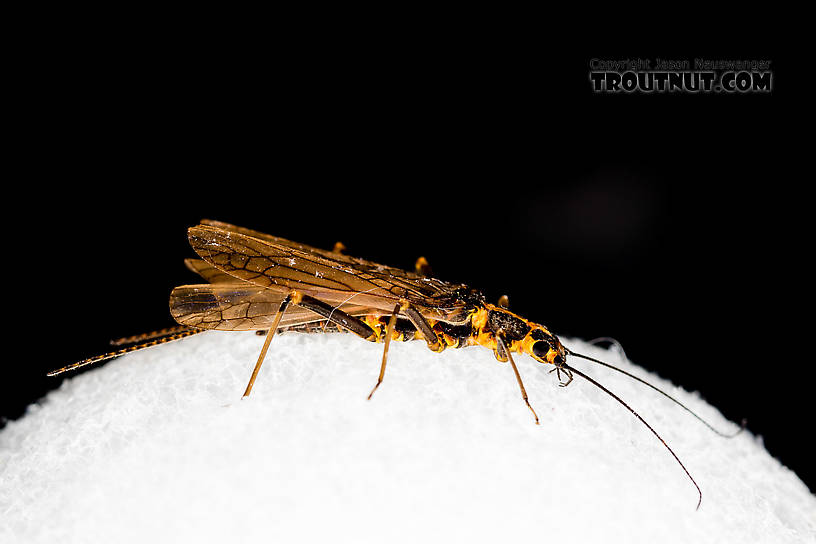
(502, 351)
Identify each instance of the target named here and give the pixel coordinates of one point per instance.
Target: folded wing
(280, 265)
(239, 307)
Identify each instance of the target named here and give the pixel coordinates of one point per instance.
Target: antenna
(617, 398)
(674, 400)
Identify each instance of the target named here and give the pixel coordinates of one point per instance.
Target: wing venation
(240, 307)
(281, 265)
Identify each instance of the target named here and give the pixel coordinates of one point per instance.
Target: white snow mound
(158, 446)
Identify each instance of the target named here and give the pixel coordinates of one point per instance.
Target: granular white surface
(158, 446)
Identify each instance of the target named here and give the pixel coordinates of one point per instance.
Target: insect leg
(422, 267)
(361, 329)
(424, 327)
(389, 331)
(272, 329)
(505, 351)
(338, 317)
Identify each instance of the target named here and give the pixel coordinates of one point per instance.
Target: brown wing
(281, 265)
(277, 240)
(360, 264)
(208, 271)
(239, 307)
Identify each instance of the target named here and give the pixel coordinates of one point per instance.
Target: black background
(659, 220)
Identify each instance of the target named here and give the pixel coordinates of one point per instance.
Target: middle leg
(421, 325)
(389, 332)
(338, 317)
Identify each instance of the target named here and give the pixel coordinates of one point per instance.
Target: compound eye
(540, 349)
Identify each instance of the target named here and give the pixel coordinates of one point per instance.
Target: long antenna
(617, 398)
(680, 404)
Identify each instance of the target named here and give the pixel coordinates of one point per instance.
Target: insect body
(376, 302)
(265, 283)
